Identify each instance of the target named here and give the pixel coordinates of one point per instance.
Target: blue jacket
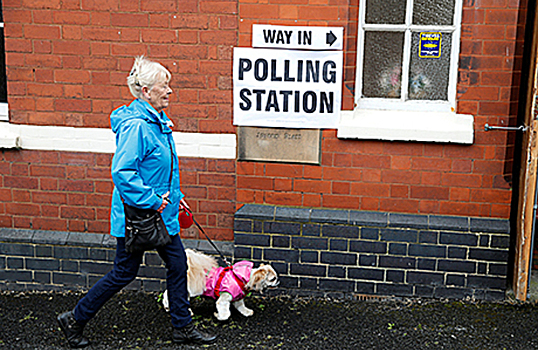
(141, 165)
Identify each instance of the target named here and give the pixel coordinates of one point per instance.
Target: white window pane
(428, 75)
(385, 11)
(382, 67)
(433, 12)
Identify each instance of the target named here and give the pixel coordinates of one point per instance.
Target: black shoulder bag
(144, 228)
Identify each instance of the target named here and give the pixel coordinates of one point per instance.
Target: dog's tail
(199, 266)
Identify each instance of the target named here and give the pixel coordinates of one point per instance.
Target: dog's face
(263, 277)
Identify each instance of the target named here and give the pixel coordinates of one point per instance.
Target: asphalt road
(134, 320)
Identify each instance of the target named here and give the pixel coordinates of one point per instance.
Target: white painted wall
(99, 140)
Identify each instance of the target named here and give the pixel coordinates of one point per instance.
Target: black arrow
(331, 38)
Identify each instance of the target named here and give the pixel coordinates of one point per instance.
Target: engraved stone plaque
(279, 145)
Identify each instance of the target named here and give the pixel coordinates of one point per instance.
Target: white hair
(146, 73)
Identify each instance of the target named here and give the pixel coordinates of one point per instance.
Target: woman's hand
(184, 205)
(165, 202)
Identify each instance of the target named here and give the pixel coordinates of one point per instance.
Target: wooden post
(525, 219)
(528, 164)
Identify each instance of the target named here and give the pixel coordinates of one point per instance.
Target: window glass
(382, 68)
(433, 12)
(385, 11)
(428, 77)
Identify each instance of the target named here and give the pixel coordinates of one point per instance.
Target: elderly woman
(145, 156)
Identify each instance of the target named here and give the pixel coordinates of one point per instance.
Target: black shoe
(72, 330)
(189, 334)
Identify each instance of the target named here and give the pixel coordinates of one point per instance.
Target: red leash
(229, 266)
(209, 239)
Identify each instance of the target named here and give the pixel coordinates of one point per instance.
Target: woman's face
(159, 95)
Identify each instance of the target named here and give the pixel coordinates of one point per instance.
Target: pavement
(136, 320)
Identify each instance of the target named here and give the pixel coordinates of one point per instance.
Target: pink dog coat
(231, 279)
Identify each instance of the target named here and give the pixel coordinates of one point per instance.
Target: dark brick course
(414, 277)
(397, 249)
(335, 271)
(336, 285)
(470, 240)
(50, 260)
(426, 264)
(367, 260)
(316, 252)
(308, 270)
(338, 258)
(280, 227)
(310, 243)
(366, 274)
(427, 250)
(340, 231)
(308, 256)
(254, 240)
(455, 280)
(397, 276)
(242, 226)
(392, 235)
(367, 247)
(339, 245)
(457, 266)
(370, 233)
(281, 241)
(382, 254)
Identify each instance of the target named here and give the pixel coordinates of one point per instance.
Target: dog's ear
(258, 278)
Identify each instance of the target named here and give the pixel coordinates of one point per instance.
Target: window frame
(408, 29)
(412, 120)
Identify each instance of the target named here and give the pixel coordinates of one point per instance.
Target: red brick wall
(58, 191)
(67, 62)
(209, 185)
(402, 176)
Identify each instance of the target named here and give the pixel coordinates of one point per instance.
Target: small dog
(226, 285)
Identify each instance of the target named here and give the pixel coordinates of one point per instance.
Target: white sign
(287, 88)
(305, 38)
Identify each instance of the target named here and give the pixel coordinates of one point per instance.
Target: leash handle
(207, 237)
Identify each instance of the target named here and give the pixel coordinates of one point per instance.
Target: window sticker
(430, 45)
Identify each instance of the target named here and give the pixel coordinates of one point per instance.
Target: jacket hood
(139, 109)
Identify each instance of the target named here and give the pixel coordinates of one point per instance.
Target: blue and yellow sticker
(429, 45)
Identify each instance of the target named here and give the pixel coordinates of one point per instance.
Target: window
(407, 72)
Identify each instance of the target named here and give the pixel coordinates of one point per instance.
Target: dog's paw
(223, 316)
(246, 312)
(165, 302)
